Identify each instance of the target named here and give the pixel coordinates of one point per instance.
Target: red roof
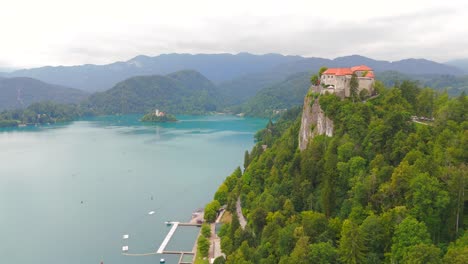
(343, 71)
(330, 71)
(349, 71)
(361, 68)
(370, 74)
(338, 71)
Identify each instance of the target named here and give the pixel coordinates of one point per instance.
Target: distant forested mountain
(20, 92)
(216, 67)
(228, 69)
(461, 64)
(282, 95)
(180, 92)
(454, 85)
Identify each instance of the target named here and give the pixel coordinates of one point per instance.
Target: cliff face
(313, 122)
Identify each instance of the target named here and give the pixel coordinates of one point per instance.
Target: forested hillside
(42, 113)
(280, 96)
(454, 85)
(20, 92)
(179, 92)
(383, 189)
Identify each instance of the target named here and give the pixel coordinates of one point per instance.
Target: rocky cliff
(313, 122)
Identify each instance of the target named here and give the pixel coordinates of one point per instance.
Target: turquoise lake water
(69, 192)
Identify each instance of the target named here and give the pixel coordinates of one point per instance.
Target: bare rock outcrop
(313, 122)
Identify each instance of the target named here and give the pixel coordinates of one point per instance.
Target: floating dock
(161, 249)
(168, 237)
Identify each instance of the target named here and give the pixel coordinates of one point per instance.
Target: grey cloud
(417, 34)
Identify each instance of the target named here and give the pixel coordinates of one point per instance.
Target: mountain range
(253, 84)
(219, 68)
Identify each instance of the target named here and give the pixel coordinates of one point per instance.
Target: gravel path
(241, 217)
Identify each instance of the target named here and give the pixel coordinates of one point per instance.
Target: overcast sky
(69, 32)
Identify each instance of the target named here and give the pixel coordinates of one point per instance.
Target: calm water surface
(69, 192)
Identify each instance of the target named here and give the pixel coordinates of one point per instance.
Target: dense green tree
(258, 217)
(206, 230)
(300, 251)
(315, 225)
(211, 211)
(219, 260)
(322, 253)
(422, 254)
(352, 247)
(203, 246)
(427, 200)
(246, 159)
(374, 233)
(314, 79)
(408, 233)
(221, 194)
(457, 252)
(410, 91)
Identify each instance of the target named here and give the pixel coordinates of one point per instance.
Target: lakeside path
(241, 217)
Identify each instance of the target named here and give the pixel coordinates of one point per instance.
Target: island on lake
(158, 116)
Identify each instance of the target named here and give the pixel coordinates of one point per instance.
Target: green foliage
(422, 254)
(314, 79)
(322, 253)
(352, 245)
(178, 93)
(246, 159)
(219, 260)
(206, 230)
(453, 85)
(457, 252)
(382, 189)
(408, 233)
(272, 100)
(427, 200)
(221, 194)
(211, 211)
(203, 246)
(43, 113)
(322, 70)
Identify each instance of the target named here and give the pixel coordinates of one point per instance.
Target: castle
(337, 80)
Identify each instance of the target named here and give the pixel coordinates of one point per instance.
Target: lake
(69, 192)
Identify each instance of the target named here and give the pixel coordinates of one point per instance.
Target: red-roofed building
(337, 80)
